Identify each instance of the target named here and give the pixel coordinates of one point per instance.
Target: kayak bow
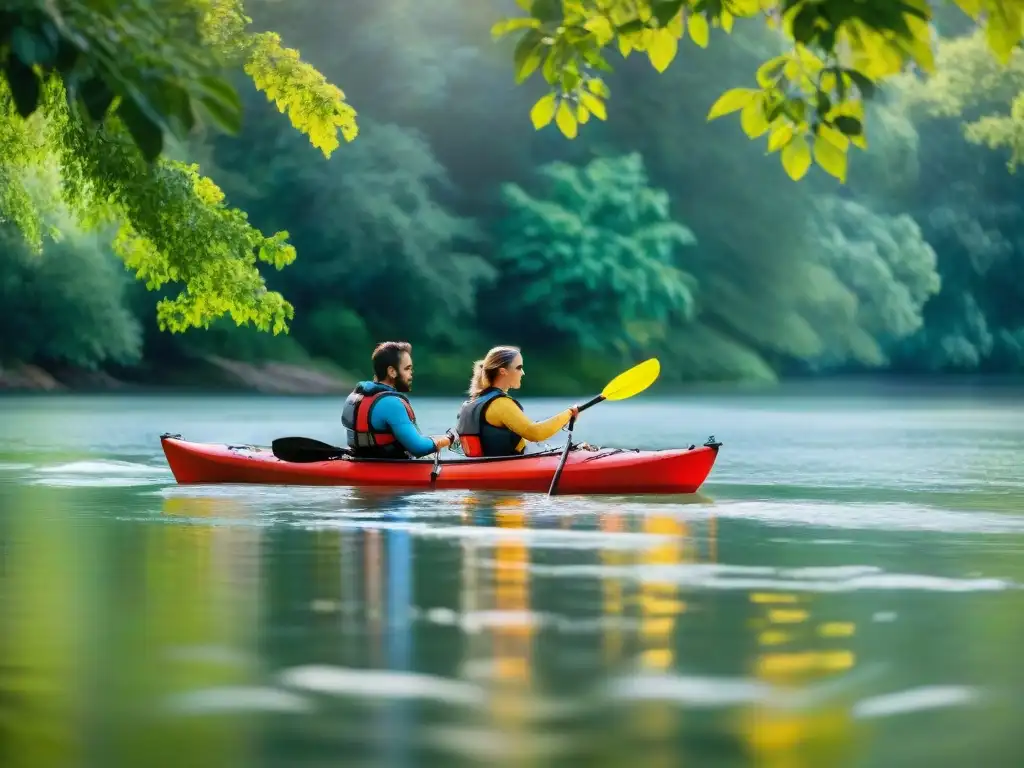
(604, 471)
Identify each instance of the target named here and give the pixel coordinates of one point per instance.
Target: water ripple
(824, 579)
(890, 517)
(363, 683)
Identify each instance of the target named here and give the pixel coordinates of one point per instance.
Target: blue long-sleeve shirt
(390, 413)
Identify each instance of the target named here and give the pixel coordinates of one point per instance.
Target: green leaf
(731, 101)
(864, 84)
(833, 137)
(665, 10)
(527, 55)
(752, 119)
(177, 104)
(594, 58)
(796, 158)
(147, 134)
(31, 48)
(662, 48)
(1002, 37)
(598, 87)
(837, 72)
(796, 109)
(803, 24)
(546, 10)
(220, 89)
(780, 136)
(831, 158)
(24, 85)
(543, 111)
(221, 102)
(67, 55)
(697, 26)
(570, 77)
(594, 105)
(770, 70)
(552, 64)
(601, 28)
(565, 120)
(505, 26)
(824, 103)
(97, 97)
(775, 103)
(631, 26)
(227, 120)
(827, 39)
(915, 10)
(850, 126)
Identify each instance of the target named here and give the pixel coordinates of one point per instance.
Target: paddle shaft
(592, 401)
(435, 470)
(568, 446)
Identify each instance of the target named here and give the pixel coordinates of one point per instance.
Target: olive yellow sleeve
(504, 413)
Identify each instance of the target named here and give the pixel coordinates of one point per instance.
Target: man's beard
(403, 385)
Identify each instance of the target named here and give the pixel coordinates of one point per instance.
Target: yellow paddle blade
(632, 382)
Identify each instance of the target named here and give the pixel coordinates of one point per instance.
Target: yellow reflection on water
(505, 644)
(513, 639)
(656, 722)
(796, 650)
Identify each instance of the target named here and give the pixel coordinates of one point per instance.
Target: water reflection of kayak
(601, 471)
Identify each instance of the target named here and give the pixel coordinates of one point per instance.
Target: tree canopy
(93, 88)
(595, 255)
(447, 219)
(808, 101)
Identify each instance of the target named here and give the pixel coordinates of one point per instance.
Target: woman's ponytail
(480, 381)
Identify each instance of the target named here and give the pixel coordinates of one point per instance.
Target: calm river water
(846, 590)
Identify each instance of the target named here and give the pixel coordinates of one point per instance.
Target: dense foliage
(451, 222)
(809, 100)
(91, 88)
(595, 258)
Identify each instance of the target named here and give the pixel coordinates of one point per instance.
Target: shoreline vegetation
(213, 374)
(454, 224)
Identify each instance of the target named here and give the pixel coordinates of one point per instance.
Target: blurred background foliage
(449, 221)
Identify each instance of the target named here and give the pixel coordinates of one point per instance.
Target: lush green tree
(594, 254)
(807, 101)
(783, 276)
(429, 65)
(94, 88)
(66, 303)
(757, 280)
(969, 84)
(967, 207)
(376, 235)
(886, 271)
(976, 322)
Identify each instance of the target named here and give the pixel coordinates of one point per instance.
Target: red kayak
(604, 471)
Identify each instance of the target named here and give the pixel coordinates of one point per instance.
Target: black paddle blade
(304, 450)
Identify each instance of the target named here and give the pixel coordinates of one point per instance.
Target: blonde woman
(491, 423)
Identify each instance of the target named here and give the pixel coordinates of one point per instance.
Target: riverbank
(440, 375)
(206, 373)
(296, 374)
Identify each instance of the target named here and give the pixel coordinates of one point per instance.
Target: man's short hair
(388, 353)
